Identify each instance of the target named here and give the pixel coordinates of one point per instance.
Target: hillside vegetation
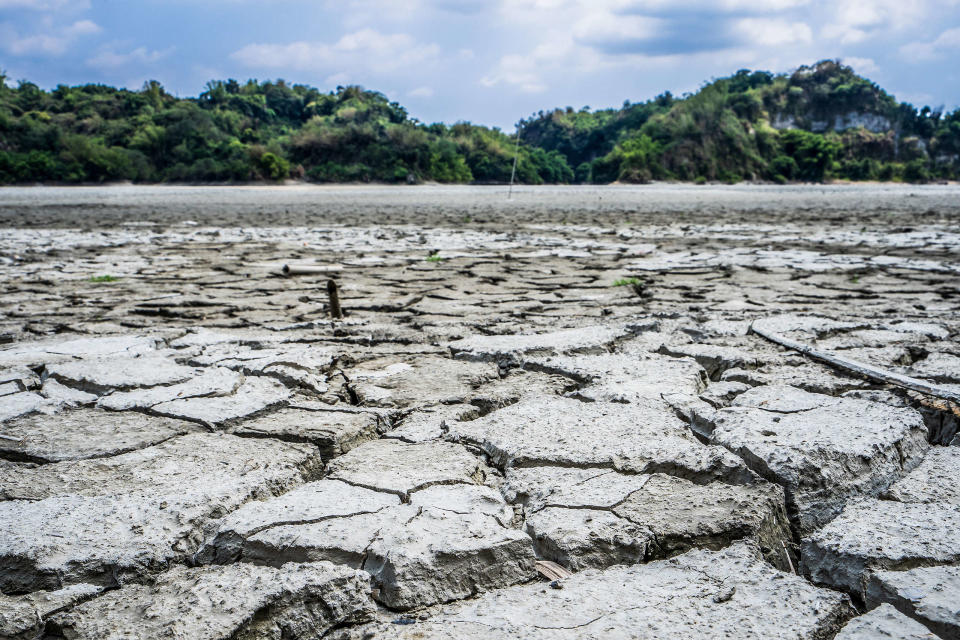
(818, 123)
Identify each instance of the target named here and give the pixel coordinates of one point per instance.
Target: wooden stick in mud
(856, 367)
(335, 311)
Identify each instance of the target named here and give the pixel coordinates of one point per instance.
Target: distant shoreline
(632, 185)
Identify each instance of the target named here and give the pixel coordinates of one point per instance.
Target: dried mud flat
(192, 448)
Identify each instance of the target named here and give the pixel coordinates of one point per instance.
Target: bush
(273, 167)
(916, 171)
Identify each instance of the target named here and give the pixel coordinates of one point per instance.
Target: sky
(486, 61)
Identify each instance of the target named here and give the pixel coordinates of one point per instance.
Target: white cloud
(110, 58)
(772, 32)
(947, 41)
(54, 43)
(609, 28)
(862, 65)
(366, 50)
(421, 92)
(855, 21)
(527, 72)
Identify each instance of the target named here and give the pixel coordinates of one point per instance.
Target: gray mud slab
(333, 432)
(255, 395)
(452, 542)
(313, 503)
(67, 396)
(880, 534)
(730, 593)
(641, 437)
(934, 480)
(582, 518)
(810, 377)
(211, 382)
(99, 520)
(85, 433)
(713, 358)
(25, 617)
(593, 339)
(822, 450)
(884, 622)
(105, 374)
(928, 594)
(722, 394)
(418, 381)
(402, 468)
(625, 378)
(25, 403)
(439, 555)
(939, 367)
(430, 423)
(49, 351)
(227, 602)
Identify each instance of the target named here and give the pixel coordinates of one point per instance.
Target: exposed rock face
(884, 622)
(640, 437)
(822, 450)
(881, 534)
(95, 520)
(731, 593)
(929, 594)
(222, 603)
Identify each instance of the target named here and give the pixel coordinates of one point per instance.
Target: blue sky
(490, 62)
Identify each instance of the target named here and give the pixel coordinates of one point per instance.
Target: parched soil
(543, 415)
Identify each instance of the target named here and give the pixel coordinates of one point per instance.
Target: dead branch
(859, 368)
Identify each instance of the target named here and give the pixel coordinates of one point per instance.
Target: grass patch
(434, 258)
(105, 278)
(628, 282)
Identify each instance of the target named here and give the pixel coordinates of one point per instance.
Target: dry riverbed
(192, 448)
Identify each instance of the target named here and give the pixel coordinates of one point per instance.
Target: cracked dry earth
(196, 450)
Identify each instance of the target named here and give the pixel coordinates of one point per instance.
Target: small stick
(11, 438)
(859, 368)
(335, 311)
(787, 553)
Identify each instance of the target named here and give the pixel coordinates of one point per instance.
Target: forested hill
(819, 123)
